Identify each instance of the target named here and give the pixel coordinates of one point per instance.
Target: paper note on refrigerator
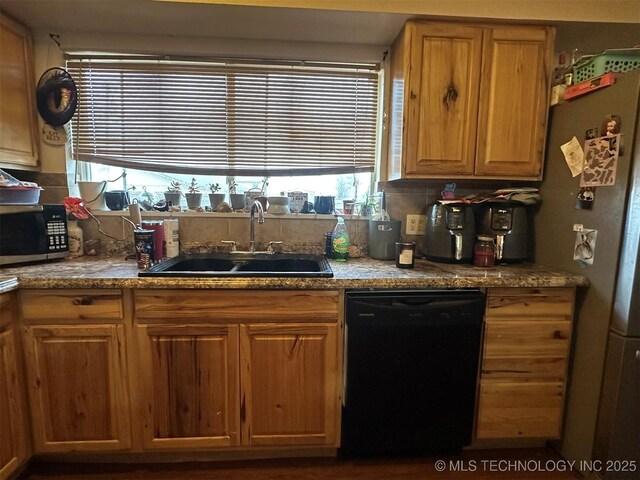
(573, 155)
(600, 161)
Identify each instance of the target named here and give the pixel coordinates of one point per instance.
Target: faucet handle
(271, 244)
(231, 243)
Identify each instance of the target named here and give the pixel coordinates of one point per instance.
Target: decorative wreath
(56, 96)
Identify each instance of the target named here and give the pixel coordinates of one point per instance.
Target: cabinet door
(189, 383)
(443, 104)
(514, 101)
(14, 447)
(289, 384)
(18, 124)
(77, 379)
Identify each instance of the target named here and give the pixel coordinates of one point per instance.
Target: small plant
(265, 184)
(193, 186)
(232, 187)
(214, 187)
(175, 186)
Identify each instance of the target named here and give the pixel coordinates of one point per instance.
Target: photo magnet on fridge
(585, 198)
(591, 133)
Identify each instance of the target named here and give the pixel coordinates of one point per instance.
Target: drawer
(514, 368)
(253, 306)
(520, 410)
(63, 304)
(522, 302)
(527, 338)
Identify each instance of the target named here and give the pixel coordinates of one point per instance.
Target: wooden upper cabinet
(468, 101)
(513, 101)
(18, 122)
(443, 99)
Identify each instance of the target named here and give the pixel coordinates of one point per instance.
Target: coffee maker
(450, 233)
(508, 223)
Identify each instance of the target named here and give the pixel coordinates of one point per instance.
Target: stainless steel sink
(241, 265)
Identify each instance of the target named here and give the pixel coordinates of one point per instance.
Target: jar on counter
(405, 254)
(484, 252)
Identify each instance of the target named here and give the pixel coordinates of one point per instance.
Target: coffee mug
(325, 204)
(117, 199)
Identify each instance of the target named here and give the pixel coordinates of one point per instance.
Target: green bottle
(340, 241)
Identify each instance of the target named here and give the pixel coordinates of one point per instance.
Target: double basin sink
(241, 265)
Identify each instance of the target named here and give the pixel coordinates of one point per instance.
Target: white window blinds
(225, 117)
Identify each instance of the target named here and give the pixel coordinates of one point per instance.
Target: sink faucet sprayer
(256, 205)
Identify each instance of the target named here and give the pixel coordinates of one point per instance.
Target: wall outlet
(416, 224)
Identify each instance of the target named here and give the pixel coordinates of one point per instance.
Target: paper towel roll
(172, 237)
(134, 214)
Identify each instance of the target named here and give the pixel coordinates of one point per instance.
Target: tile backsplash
(202, 232)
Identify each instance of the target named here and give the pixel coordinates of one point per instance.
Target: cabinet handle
(243, 410)
(451, 96)
(637, 354)
(413, 95)
(83, 300)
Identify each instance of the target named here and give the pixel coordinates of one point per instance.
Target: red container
(158, 238)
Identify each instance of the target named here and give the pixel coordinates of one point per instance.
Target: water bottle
(340, 241)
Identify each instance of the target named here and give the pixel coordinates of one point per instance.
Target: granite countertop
(113, 272)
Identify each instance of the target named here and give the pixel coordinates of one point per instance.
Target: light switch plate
(416, 224)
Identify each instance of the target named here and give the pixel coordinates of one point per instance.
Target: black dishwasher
(411, 364)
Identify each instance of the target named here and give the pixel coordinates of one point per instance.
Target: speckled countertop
(101, 272)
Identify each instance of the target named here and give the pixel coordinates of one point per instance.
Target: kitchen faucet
(256, 205)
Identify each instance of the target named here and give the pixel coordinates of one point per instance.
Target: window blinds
(225, 117)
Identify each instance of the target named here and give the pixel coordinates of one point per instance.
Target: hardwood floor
(512, 464)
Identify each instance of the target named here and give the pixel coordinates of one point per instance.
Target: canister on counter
(158, 238)
(172, 237)
(143, 240)
(405, 254)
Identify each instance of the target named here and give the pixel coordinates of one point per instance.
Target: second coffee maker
(450, 233)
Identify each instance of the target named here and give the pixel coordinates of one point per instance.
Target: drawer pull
(86, 300)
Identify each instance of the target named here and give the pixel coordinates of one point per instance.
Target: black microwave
(31, 233)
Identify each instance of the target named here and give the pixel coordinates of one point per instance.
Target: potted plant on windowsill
(194, 197)
(215, 198)
(237, 199)
(173, 194)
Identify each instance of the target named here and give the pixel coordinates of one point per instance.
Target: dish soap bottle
(340, 241)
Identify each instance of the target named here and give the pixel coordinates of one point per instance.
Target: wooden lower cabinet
(14, 426)
(289, 384)
(76, 366)
(77, 380)
(524, 363)
(236, 368)
(188, 376)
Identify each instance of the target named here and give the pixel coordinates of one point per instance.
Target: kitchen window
(228, 117)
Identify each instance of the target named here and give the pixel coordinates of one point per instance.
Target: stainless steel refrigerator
(602, 415)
